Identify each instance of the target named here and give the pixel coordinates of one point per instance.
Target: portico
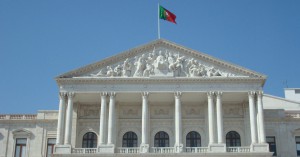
(211, 102)
(161, 98)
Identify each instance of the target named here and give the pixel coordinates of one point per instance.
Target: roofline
(280, 98)
(134, 50)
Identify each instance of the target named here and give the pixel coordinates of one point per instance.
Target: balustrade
(132, 150)
(84, 150)
(18, 116)
(196, 149)
(160, 150)
(163, 149)
(238, 149)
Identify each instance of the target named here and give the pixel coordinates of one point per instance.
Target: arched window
(233, 139)
(130, 139)
(89, 140)
(193, 139)
(161, 139)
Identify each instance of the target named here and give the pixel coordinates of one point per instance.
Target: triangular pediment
(162, 58)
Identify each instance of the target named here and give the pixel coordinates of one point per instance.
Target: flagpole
(158, 23)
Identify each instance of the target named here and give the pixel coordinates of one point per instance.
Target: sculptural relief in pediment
(163, 62)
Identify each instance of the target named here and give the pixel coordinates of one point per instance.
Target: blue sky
(40, 39)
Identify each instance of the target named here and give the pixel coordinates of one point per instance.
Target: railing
(2, 116)
(196, 149)
(163, 149)
(18, 117)
(293, 115)
(160, 150)
(126, 150)
(238, 149)
(84, 150)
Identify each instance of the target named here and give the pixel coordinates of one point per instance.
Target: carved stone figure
(177, 66)
(148, 71)
(109, 72)
(160, 64)
(118, 70)
(140, 66)
(213, 72)
(164, 64)
(127, 66)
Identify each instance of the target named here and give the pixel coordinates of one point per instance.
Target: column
(178, 127)
(103, 111)
(61, 118)
(253, 130)
(219, 118)
(69, 118)
(261, 125)
(211, 110)
(111, 119)
(145, 123)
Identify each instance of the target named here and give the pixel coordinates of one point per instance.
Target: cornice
(122, 80)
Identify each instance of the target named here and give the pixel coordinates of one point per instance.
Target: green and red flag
(166, 15)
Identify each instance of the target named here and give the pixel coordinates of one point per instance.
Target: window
(50, 146)
(193, 139)
(89, 140)
(272, 144)
(233, 139)
(297, 139)
(21, 147)
(161, 139)
(129, 139)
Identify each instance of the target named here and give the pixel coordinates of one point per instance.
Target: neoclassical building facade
(159, 99)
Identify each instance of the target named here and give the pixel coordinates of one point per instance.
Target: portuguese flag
(166, 15)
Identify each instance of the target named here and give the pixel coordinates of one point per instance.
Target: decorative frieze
(193, 111)
(233, 110)
(161, 111)
(89, 111)
(130, 112)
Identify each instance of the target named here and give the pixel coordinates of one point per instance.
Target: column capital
(251, 94)
(145, 94)
(219, 94)
(112, 94)
(62, 95)
(103, 94)
(210, 94)
(71, 95)
(260, 93)
(177, 94)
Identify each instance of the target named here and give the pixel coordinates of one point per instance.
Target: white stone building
(160, 99)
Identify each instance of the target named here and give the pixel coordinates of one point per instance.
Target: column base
(62, 149)
(217, 147)
(106, 149)
(259, 147)
(144, 148)
(178, 148)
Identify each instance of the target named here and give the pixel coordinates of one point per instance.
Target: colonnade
(107, 131)
(64, 127)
